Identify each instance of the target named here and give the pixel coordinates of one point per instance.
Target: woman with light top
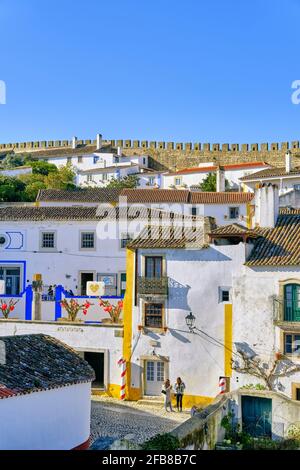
(179, 391)
(167, 392)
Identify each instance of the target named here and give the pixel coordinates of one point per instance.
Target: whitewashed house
(45, 395)
(191, 178)
(286, 178)
(225, 207)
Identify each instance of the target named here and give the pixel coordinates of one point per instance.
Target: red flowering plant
(7, 307)
(73, 307)
(114, 311)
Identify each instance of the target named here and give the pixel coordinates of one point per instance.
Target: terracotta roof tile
(234, 166)
(33, 363)
(198, 197)
(153, 196)
(235, 230)
(171, 237)
(79, 195)
(271, 172)
(278, 246)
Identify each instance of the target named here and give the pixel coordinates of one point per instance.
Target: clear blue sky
(198, 70)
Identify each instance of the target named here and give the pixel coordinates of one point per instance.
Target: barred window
(48, 240)
(87, 240)
(154, 315)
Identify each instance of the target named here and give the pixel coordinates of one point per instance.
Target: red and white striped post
(122, 364)
(222, 385)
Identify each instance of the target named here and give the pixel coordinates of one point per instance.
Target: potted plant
(73, 307)
(114, 311)
(7, 307)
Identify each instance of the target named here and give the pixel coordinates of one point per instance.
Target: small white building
(191, 178)
(45, 395)
(17, 171)
(286, 178)
(225, 207)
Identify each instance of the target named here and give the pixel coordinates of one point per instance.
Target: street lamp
(190, 321)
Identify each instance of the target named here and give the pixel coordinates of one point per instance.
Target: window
(125, 239)
(144, 161)
(292, 302)
(87, 240)
(89, 178)
(12, 279)
(69, 160)
(224, 294)
(117, 159)
(151, 180)
(292, 344)
(104, 177)
(194, 211)
(177, 181)
(154, 315)
(48, 240)
(234, 212)
(153, 266)
(96, 160)
(160, 371)
(79, 159)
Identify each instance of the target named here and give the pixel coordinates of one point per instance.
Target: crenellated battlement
(166, 155)
(154, 145)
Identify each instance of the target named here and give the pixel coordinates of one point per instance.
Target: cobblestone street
(112, 418)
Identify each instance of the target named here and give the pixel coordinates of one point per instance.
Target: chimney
(266, 205)
(119, 151)
(74, 142)
(220, 180)
(288, 161)
(99, 141)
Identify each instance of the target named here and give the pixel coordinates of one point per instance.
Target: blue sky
(213, 70)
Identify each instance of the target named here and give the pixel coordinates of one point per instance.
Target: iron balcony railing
(152, 285)
(285, 310)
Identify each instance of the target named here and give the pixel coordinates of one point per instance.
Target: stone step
(151, 401)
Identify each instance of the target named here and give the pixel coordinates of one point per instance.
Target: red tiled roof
(153, 196)
(234, 166)
(198, 197)
(184, 196)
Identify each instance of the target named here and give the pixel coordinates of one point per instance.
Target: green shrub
(162, 442)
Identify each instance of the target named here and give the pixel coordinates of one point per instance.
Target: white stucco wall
(57, 419)
(195, 277)
(253, 325)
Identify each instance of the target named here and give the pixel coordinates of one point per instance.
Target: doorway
(257, 416)
(154, 377)
(96, 361)
(84, 278)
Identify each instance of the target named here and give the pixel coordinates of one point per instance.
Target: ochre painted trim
(294, 390)
(127, 313)
(249, 215)
(227, 340)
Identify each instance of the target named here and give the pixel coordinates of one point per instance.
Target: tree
(42, 168)
(32, 189)
(130, 181)
(12, 161)
(64, 178)
(11, 189)
(209, 184)
(253, 365)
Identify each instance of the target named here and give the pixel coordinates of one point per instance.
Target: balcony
(285, 311)
(152, 286)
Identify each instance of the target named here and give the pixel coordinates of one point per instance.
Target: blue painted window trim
(24, 274)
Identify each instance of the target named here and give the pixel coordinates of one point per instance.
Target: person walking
(167, 392)
(179, 391)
